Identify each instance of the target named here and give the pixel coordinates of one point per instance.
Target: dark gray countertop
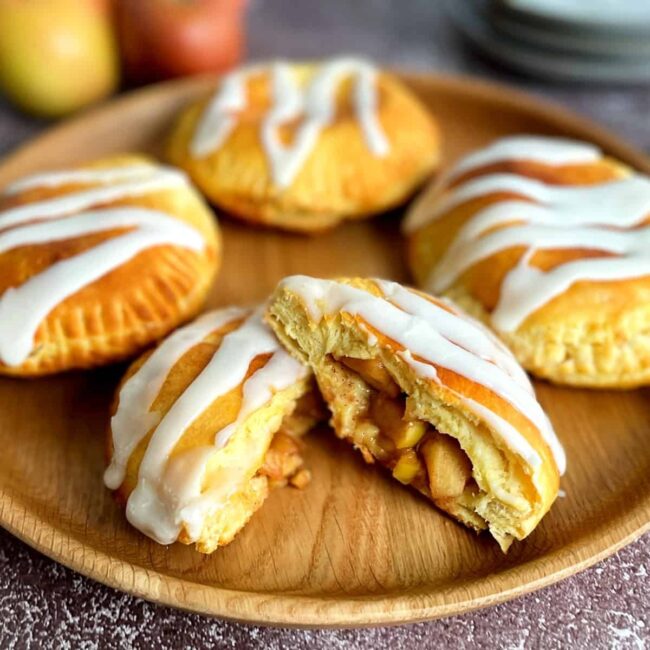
(43, 604)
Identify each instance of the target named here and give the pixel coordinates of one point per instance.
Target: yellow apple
(57, 56)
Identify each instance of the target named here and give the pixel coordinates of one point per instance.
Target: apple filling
(418, 454)
(283, 462)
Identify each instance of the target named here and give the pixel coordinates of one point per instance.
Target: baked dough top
(304, 145)
(312, 101)
(563, 233)
(66, 236)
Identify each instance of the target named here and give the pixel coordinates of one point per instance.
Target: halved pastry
(98, 261)
(302, 146)
(548, 241)
(204, 424)
(429, 393)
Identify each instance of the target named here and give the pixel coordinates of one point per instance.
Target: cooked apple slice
(372, 371)
(407, 467)
(448, 466)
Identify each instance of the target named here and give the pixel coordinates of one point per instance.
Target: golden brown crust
(497, 470)
(121, 313)
(341, 179)
(595, 334)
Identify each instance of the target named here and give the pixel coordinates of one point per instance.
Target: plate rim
(529, 59)
(262, 608)
(593, 23)
(357, 612)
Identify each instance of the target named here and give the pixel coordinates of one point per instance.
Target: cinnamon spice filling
(283, 462)
(418, 454)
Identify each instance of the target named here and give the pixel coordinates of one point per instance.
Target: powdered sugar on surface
(43, 604)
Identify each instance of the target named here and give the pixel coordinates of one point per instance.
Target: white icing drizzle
(134, 418)
(557, 205)
(23, 308)
(88, 176)
(169, 493)
(530, 148)
(157, 179)
(607, 217)
(314, 105)
(220, 116)
(428, 332)
(538, 149)
(457, 328)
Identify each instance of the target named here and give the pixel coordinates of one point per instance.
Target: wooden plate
(354, 548)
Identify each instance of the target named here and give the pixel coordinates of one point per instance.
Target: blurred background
(58, 56)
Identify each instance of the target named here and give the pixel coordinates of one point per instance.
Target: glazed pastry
(302, 146)
(97, 262)
(203, 425)
(546, 240)
(430, 394)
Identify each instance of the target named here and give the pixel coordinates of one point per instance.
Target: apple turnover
(429, 393)
(302, 146)
(98, 261)
(547, 241)
(204, 424)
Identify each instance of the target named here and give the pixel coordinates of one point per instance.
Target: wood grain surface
(355, 547)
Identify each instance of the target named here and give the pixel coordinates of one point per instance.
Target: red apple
(172, 38)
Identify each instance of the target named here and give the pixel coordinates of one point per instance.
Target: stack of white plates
(577, 40)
